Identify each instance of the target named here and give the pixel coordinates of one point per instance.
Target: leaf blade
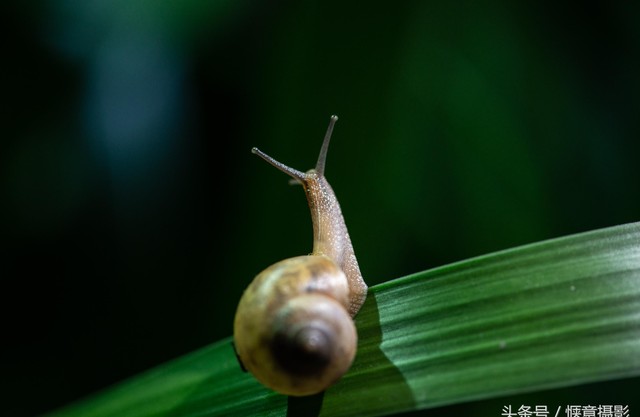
(551, 314)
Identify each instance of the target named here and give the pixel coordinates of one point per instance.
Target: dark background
(133, 215)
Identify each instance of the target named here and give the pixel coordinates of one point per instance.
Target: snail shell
(293, 328)
(305, 339)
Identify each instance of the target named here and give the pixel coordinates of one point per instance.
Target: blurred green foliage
(133, 214)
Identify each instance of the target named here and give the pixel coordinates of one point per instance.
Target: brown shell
(292, 330)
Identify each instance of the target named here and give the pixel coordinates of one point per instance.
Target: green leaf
(556, 313)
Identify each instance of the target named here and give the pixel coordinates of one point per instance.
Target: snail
(294, 328)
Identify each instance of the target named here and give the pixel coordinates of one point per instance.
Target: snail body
(294, 327)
